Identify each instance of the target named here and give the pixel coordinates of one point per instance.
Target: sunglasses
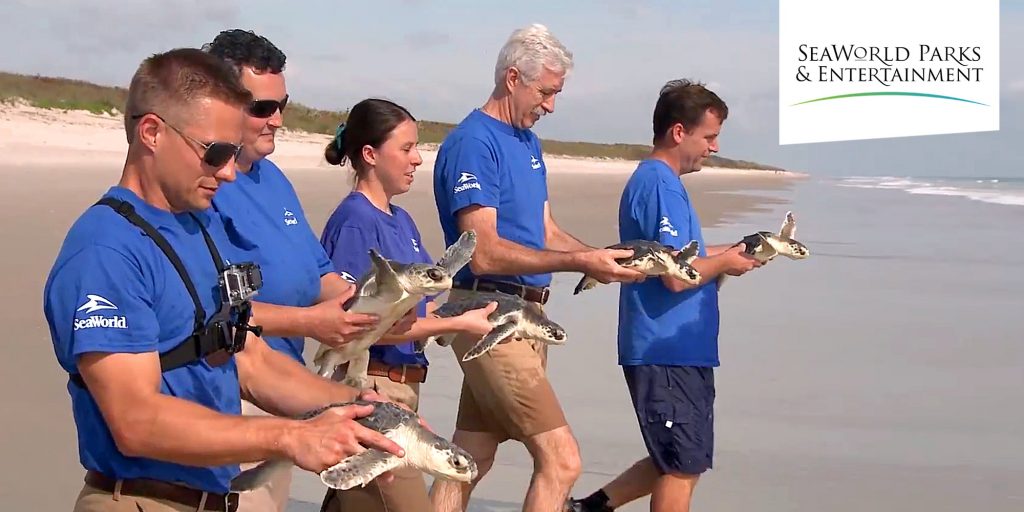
(215, 154)
(266, 108)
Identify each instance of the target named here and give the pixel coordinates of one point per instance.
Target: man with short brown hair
(668, 330)
(144, 315)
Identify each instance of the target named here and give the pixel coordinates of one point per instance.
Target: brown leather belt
(147, 488)
(401, 374)
(530, 293)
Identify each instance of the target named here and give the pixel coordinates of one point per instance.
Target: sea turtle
(424, 450)
(513, 317)
(390, 289)
(764, 246)
(653, 259)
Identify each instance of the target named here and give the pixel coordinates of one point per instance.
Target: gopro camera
(240, 282)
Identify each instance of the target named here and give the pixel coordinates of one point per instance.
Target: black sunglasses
(266, 108)
(215, 154)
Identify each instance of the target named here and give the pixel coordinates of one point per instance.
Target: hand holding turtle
(601, 265)
(737, 262)
(318, 443)
(475, 321)
(331, 325)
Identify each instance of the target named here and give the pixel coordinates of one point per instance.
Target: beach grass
(68, 94)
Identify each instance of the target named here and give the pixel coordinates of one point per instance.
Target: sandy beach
(857, 379)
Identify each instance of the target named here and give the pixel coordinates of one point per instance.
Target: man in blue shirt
(490, 176)
(152, 433)
(302, 295)
(668, 330)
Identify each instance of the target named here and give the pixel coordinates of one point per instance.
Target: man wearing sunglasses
(137, 279)
(302, 294)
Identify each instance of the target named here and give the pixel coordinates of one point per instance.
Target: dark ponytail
(335, 151)
(370, 122)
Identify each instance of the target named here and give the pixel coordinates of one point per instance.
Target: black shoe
(572, 505)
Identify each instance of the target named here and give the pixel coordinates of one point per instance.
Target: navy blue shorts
(675, 408)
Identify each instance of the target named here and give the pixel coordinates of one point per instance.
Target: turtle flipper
(327, 361)
(355, 374)
(384, 276)
(492, 338)
(459, 254)
(359, 469)
(420, 346)
(788, 229)
(586, 283)
(442, 340)
(256, 477)
(688, 253)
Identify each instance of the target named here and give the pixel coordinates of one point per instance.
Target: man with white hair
(490, 177)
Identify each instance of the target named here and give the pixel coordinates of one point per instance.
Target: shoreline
(31, 134)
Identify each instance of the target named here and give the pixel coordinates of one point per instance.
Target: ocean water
(994, 190)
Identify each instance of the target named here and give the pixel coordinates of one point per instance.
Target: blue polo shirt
(355, 227)
(656, 325)
(262, 215)
(111, 289)
(486, 162)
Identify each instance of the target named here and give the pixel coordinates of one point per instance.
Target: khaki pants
(272, 497)
(506, 391)
(407, 492)
(91, 499)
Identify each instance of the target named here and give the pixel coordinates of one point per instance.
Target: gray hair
(529, 50)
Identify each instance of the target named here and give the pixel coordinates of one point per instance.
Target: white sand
(30, 135)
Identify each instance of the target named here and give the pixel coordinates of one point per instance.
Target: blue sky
(437, 58)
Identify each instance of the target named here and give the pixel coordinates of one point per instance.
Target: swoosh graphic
(918, 94)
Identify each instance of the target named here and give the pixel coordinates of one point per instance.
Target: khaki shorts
(91, 499)
(273, 496)
(506, 391)
(407, 492)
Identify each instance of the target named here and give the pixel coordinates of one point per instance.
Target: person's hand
(373, 395)
(403, 324)
(333, 326)
(326, 439)
(738, 262)
(475, 321)
(601, 265)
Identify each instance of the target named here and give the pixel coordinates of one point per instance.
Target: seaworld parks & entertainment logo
(922, 68)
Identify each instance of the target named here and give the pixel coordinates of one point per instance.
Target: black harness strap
(126, 210)
(204, 339)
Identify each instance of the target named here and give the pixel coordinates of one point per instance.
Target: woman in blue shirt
(379, 139)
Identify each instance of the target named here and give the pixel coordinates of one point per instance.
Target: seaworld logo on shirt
(289, 218)
(665, 226)
(98, 303)
(467, 180)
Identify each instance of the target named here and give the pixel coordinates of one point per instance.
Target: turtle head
(426, 279)
(795, 250)
(448, 461)
(684, 272)
(552, 334)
